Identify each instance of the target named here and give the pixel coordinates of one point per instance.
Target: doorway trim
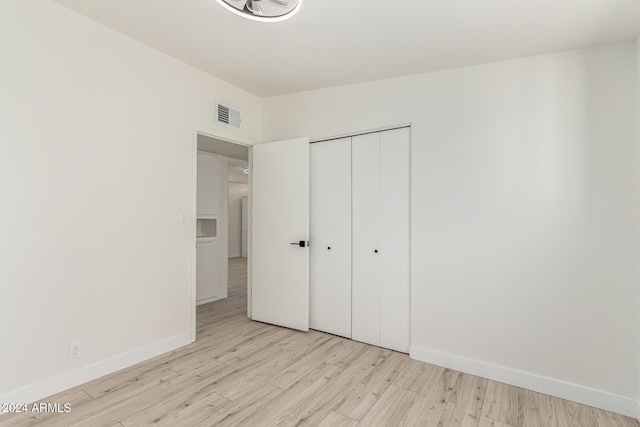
(194, 210)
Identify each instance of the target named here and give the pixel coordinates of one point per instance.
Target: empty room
(320, 213)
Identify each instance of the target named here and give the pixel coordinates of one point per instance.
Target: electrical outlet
(74, 350)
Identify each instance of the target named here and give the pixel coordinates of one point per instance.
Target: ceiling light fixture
(263, 10)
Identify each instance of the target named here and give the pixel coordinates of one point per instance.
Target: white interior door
(280, 219)
(366, 238)
(330, 271)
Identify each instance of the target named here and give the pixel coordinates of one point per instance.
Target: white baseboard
(208, 300)
(235, 254)
(222, 295)
(576, 393)
(35, 392)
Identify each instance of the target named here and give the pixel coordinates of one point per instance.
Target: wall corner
(638, 236)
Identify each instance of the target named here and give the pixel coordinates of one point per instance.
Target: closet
(360, 238)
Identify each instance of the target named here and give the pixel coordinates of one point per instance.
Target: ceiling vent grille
(228, 116)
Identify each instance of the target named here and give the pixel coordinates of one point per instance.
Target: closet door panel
(366, 230)
(330, 249)
(395, 223)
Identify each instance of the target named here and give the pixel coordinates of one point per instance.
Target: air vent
(229, 116)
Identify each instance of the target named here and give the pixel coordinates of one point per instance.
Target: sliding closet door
(395, 218)
(330, 225)
(366, 238)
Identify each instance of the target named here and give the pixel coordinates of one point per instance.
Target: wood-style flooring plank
(335, 419)
(473, 410)
(107, 407)
(609, 419)
(130, 377)
(413, 376)
(204, 355)
(245, 373)
(571, 414)
(257, 370)
(490, 422)
(153, 402)
(464, 407)
(502, 403)
(194, 412)
(536, 410)
(169, 407)
(263, 344)
(75, 397)
(350, 353)
(326, 348)
(433, 398)
(314, 410)
(305, 389)
(254, 402)
(391, 409)
(366, 393)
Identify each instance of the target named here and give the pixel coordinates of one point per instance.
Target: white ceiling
(337, 42)
(237, 175)
(218, 146)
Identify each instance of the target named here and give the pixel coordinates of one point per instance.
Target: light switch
(183, 217)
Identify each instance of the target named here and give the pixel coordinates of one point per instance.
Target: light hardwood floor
(240, 372)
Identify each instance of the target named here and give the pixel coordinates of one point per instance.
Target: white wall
(638, 136)
(525, 231)
(236, 192)
(96, 139)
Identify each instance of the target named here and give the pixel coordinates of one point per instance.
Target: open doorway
(222, 189)
(238, 209)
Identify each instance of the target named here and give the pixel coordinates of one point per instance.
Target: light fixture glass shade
(263, 10)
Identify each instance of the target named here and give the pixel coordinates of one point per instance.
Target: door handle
(300, 243)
